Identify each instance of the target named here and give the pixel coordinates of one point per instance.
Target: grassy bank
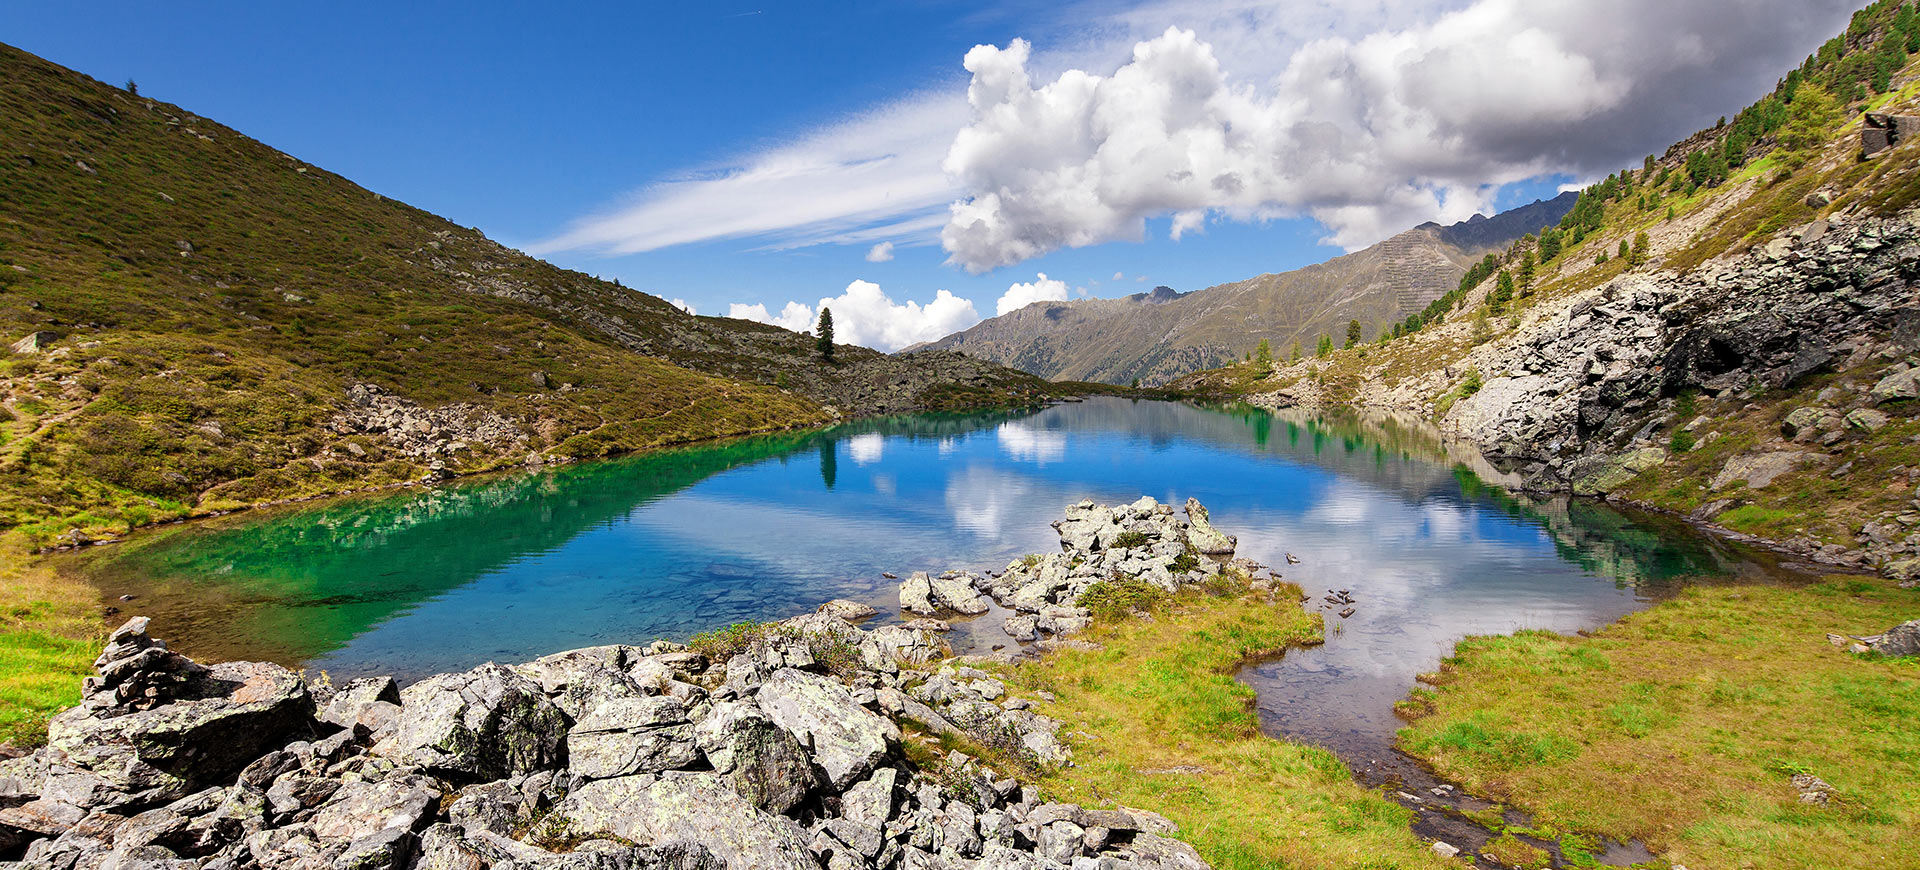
(49, 635)
(1682, 726)
(1158, 721)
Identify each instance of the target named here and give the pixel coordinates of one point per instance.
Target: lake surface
(668, 544)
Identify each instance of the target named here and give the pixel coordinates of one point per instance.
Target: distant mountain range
(1160, 335)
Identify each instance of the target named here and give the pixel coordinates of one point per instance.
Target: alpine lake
(663, 545)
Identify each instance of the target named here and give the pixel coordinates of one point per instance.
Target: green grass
(1158, 721)
(49, 635)
(1680, 726)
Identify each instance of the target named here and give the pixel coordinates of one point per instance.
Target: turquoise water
(668, 544)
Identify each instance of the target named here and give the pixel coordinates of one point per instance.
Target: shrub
(1119, 598)
(1129, 540)
(721, 644)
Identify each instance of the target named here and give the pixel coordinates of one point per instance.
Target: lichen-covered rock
(1203, 536)
(916, 594)
(359, 809)
(683, 807)
(625, 736)
(762, 762)
(847, 740)
(160, 727)
(486, 723)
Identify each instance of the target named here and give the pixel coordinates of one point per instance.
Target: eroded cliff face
(1782, 376)
(1601, 374)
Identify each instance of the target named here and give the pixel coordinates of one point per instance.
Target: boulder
(156, 724)
(1203, 536)
(1758, 470)
(916, 594)
(487, 723)
(1901, 640)
(846, 739)
(34, 342)
(762, 762)
(870, 802)
(360, 809)
(353, 701)
(1601, 474)
(1806, 419)
(957, 595)
(683, 807)
(624, 736)
(1867, 419)
(847, 611)
(1897, 386)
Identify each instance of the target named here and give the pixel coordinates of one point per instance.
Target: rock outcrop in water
(1141, 541)
(793, 752)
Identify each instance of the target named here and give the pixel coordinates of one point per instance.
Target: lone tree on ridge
(825, 340)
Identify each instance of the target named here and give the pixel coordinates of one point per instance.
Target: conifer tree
(824, 341)
(1353, 332)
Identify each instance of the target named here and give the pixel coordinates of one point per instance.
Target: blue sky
(756, 153)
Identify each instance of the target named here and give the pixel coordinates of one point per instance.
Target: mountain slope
(1730, 332)
(201, 322)
(1159, 336)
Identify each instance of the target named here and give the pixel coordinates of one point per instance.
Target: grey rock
(1758, 470)
(359, 809)
(1897, 386)
(157, 724)
(624, 736)
(34, 342)
(1901, 640)
(353, 700)
(916, 594)
(870, 802)
(1867, 419)
(846, 739)
(487, 723)
(762, 762)
(848, 611)
(1203, 536)
(681, 806)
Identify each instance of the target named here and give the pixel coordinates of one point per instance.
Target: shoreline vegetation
(1689, 724)
(1718, 727)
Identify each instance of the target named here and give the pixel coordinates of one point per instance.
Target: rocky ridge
(812, 743)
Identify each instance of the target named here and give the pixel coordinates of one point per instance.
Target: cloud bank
(866, 315)
(1367, 135)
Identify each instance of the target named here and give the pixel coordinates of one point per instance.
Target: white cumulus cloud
(795, 316)
(682, 304)
(1042, 289)
(880, 253)
(865, 315)
(1368, 134)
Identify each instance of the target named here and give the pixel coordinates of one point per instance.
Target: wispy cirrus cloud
(868, 178)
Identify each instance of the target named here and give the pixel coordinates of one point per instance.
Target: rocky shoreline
(808, 743)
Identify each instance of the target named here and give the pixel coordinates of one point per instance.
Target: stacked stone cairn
(792, 752)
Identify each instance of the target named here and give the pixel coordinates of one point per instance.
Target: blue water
(668, 544)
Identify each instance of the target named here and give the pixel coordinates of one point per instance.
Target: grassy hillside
(210, 301)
